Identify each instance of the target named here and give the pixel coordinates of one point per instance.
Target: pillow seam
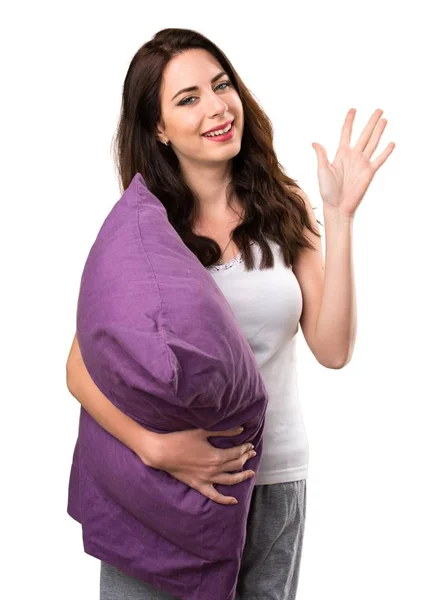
(161, 329)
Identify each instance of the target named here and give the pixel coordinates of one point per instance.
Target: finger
(231, 479)
(375, 138)
(347, 127)
(377, 163)
(210, 492)
(234, 431)
(238, 463)
(231, 454)
(369, 129)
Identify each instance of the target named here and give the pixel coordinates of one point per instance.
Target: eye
(185, 102)
(224, 83)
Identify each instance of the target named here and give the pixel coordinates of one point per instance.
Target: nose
(217, 106)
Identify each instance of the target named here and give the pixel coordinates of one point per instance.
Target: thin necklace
(220, 260)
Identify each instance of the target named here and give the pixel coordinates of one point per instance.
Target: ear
(160, 134)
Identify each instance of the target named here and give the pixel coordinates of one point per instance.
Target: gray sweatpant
(270, 560)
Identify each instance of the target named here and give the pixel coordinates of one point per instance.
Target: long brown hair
(273, 209)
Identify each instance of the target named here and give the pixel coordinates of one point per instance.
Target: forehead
(192, 67)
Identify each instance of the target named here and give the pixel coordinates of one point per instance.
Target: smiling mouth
(212, 133)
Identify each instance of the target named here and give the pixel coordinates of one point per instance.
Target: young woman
(205, 148)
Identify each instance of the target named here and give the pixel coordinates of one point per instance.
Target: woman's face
(187, 115)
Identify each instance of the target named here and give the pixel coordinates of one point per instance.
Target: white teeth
(220, 131)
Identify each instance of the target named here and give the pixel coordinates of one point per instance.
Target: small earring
(167, 143)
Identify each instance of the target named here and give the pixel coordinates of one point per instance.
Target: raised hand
(344, 182)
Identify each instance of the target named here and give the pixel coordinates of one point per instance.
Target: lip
(223, 137)
(219, 126)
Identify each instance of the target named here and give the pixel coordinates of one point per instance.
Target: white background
(370, 526)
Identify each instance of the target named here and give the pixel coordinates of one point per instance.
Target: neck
(212, 189)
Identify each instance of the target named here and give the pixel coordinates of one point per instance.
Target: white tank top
(267, 305)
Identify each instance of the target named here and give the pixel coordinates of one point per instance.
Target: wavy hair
(273, 208)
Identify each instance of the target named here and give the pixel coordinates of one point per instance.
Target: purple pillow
(160, 340)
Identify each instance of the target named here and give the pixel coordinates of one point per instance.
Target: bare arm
(186, 455)
(124, 428)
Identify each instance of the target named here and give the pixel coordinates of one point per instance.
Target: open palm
(344, 182)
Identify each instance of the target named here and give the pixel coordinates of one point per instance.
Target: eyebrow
(195, 87)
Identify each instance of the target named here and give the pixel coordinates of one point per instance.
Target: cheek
(189, 124)
(235, 107)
